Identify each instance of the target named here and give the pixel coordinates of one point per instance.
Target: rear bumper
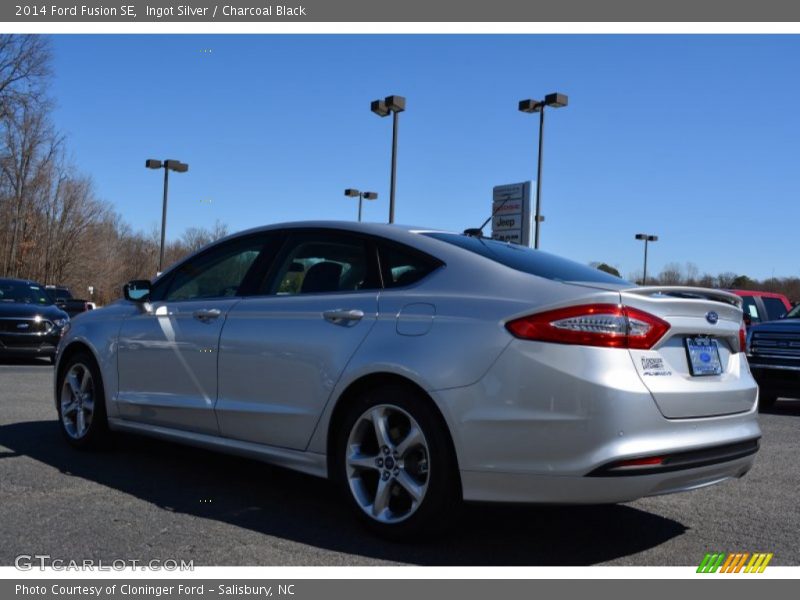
(543, 421)
(549, 489)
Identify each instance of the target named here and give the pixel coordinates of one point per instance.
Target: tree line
(53, 227)
(675, 273)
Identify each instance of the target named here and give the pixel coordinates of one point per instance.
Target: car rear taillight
(607, 325)
(742, 338)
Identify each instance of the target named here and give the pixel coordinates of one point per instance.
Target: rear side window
(775, 308)
(528, 260)
(401, 267)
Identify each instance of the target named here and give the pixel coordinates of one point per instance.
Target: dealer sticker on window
(703, 353)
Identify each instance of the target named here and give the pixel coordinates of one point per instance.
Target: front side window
(214, 274)
(324, 263)
(750, 308)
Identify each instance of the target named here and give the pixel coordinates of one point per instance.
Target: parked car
(417, 368)
(762, 306)
(62, 297)
(30, 324)
(774, 356)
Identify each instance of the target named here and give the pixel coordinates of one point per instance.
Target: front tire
(395, 464)
(81, 403)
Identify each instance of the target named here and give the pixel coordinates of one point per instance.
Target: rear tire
(81, 403)
(395, 465)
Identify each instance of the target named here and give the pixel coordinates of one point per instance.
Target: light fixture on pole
(555, 100)
(646, 238)
(168, 165)
(352, 193)
(393, 105)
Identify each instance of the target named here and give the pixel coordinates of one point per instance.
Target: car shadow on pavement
(25, 362)
(784, 406)
(307, 510)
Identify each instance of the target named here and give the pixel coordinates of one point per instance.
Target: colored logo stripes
(735, 562)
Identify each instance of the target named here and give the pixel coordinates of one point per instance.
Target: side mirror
(137, 290)
(748, 320)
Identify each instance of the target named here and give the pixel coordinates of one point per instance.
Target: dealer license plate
(703, 355)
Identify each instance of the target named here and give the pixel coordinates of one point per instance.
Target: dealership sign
(511, 213)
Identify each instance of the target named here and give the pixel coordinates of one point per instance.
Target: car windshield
(794, 313)
(23, 293)
(529, 260)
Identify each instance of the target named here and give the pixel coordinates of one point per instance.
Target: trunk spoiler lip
(687, 292)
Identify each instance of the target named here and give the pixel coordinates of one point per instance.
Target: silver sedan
(418, 368)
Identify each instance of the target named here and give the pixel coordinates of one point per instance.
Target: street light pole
(353, 193)
(168, 165)
(647, 238)
(394, 105)
(163, 221)
(538, 210)
(395, 123)
(554, 100)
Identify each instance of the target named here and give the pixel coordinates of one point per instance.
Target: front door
(167, 355)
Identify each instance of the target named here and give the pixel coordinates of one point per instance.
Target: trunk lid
(711, 319)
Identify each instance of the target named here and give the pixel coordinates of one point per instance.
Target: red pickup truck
(762, 306)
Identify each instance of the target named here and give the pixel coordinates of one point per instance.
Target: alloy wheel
(387, 463)
(77, 401)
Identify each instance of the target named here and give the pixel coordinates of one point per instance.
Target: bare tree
(24, 70)
(671, 274)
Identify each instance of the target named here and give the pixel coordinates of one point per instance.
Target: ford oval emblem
(712, 317)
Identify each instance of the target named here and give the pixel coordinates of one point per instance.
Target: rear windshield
(528, 260)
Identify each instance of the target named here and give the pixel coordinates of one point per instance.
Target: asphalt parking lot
(146, 500)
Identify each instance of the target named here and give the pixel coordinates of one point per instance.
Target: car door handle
(207, 314)
(341, 316)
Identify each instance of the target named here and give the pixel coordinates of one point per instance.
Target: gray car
(417, 368)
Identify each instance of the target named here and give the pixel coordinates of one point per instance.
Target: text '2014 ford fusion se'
(417, 368)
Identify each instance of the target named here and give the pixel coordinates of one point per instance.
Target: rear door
(775, 308)
(697, 369)
(283, 349)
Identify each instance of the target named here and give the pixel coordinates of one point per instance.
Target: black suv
(773, 351)
(30, 324)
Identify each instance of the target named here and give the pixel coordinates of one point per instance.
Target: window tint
(214, 274)
(750, 308)
(325, 263)
(402, 267)
(775, 308)
(528, 260)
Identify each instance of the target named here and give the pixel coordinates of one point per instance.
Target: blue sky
(693, 138)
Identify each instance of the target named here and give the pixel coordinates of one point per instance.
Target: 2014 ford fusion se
(417, 368)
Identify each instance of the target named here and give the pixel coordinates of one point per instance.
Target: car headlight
(62, 325)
